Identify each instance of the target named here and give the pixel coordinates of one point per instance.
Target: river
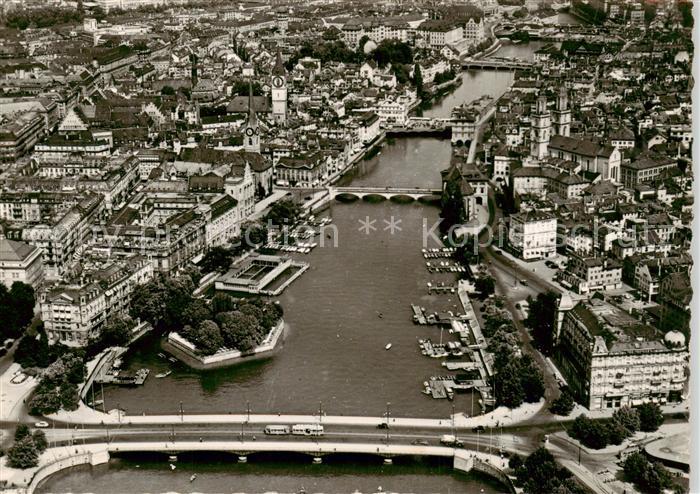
(334, 349)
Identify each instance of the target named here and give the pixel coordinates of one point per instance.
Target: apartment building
(533, 234)
(74, 313)
(590, 274)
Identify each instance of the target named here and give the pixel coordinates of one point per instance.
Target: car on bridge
(451, 440)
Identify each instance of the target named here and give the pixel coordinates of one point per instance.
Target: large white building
(19, 262)
(610, 359)
(533, 234)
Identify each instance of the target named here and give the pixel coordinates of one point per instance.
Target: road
(506, 275)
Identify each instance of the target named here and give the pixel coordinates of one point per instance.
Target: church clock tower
(279, 91)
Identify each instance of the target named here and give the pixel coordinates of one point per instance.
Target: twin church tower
(251, 129)
(546, 124)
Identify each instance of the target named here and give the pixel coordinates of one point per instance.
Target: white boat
(164, 374)
(194, 476)
(388, 345)
(172, 467)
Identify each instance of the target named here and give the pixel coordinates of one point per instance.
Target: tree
(196, 311)
(541, 319)
(616, 432)
(531, 379)
(33, 351)
(40, 441)
(23, 454)
(485, 285)
(650, 417)
(509, 389)
(418, 80)
(592, 434)
(564, 404)
(628, 418)
(217, 259)
(207, 337)
(285, 212)
(392, 51)
(117, 331)
(222, 302)
(649, 477)
(238, 330)
(22, 431)
(167, 91)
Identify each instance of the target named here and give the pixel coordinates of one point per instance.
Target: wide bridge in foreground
(384, 192)
(60, 458)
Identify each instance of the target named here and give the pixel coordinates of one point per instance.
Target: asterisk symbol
(367, 225)
(393, 225)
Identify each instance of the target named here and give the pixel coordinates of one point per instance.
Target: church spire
(279, 69)
(252, 117)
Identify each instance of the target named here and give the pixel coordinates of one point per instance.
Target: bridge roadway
(246, 439)
(494, 64)
(386, 192)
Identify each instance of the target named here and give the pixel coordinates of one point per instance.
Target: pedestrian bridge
(384, 192)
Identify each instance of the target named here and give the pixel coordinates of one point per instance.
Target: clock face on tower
(277, 81)
(249, 132)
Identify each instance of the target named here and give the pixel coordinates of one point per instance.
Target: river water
(341, 313)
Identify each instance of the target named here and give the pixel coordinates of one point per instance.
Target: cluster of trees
(445, 76)
(597, 434)
(496, 318)
(25, 451)
(163, 301)
(116, 331)
(650, 478)
(540, 473)
(241, 325)
(39, 18)
(564, 404)
(466, 248)
(517, 378)
(542, 319)
(16, 309)
(33, 350)
(283, 213)
(58, 388)
(485, 285)
(326, 51)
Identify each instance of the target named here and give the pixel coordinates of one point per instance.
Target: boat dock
(438, 253)
(444, 267)
(454, 366)
(121, 378)
(418, 315)
(440, 288)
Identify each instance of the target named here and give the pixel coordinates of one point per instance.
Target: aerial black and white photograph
(346, 247)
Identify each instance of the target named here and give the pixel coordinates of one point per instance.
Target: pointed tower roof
(252, 117)
(279, 69)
